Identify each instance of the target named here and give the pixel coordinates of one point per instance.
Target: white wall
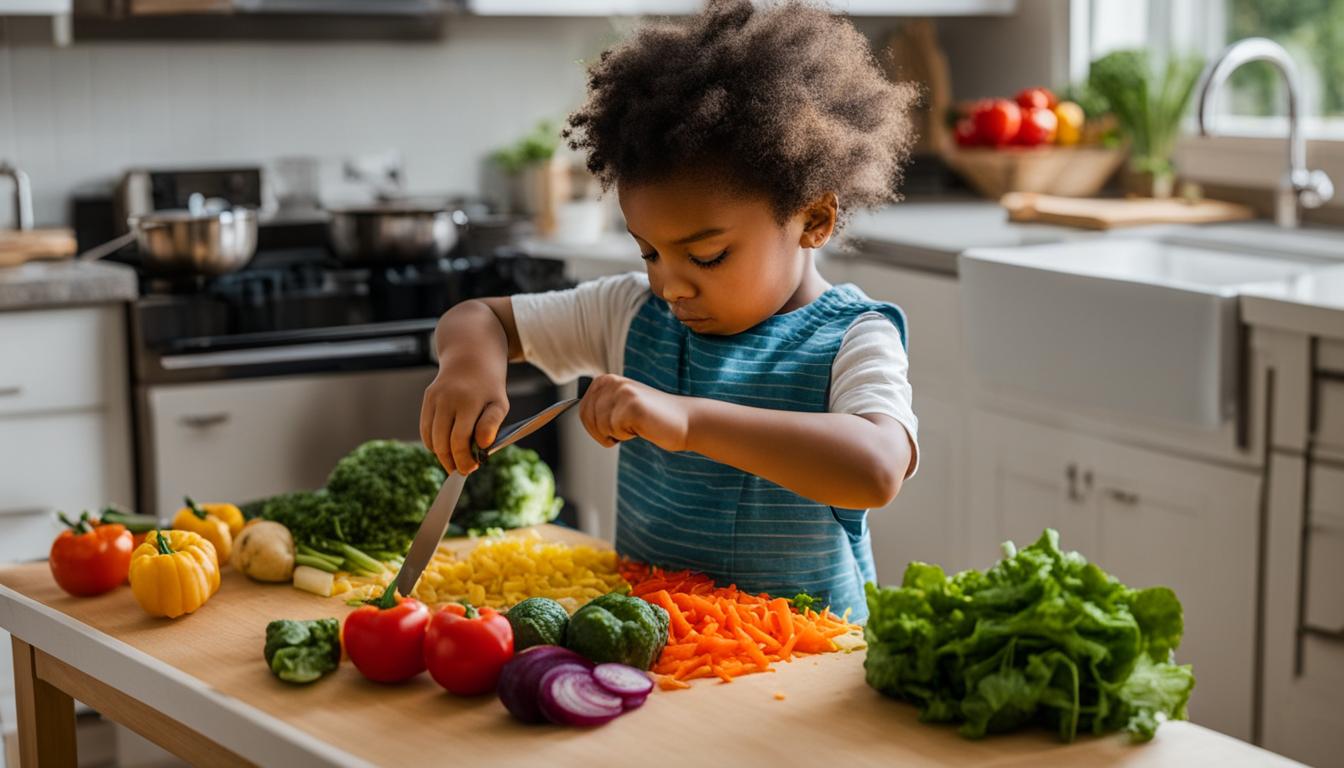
(83, 114)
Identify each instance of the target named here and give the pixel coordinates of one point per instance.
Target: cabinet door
(1192, 527)
(924, 522)
(1026, 478)
(244, 440)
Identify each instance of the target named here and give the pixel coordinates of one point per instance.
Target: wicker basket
(1065, 171)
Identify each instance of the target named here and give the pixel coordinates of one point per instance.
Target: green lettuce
(1042, 637)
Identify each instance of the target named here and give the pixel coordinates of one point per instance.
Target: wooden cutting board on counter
(205, 671)
(1105, 213)
(19, 246)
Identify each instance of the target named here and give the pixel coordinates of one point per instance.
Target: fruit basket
(1051, 170)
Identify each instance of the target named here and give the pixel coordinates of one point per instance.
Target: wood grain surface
(827, 713)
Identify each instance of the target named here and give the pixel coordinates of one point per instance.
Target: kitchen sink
(1141, 327)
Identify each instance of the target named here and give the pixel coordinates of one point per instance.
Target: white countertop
(1312, 303)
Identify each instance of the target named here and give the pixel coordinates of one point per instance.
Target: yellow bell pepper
(173, 572)
(214, 529)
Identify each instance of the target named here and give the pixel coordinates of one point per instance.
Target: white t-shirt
(582, 332)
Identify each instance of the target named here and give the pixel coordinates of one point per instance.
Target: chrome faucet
(1298, 185)
(23, 196)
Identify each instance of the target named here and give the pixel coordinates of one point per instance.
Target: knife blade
(440, 512)
(431, 533)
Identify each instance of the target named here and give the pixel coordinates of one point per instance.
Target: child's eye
(711, 262)
(650, 256)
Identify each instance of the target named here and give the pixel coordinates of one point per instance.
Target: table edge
(255, 735)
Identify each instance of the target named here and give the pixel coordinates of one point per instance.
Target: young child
(761, 410)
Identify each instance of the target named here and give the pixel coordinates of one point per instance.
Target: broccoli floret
(513, 489)
(374, 500)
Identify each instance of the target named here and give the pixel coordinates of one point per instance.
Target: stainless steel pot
(393, 233)
(189, 242)
(197, 243)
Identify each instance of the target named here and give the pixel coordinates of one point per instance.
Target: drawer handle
(23, 512)
(14, 391)
(1127, 498)
(205, 420)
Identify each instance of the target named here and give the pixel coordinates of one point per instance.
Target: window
(1252, 105)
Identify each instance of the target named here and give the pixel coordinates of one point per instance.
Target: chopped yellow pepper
(215, 529)
(173, 572)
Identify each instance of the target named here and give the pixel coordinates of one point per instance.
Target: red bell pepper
(385, 638)
(89, 559)
(465, 648)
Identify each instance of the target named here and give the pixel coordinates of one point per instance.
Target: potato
(264, 551)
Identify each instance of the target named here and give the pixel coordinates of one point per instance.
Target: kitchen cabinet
(927, 520)
(1147, 517)
(64, 431)
(681, 7)
(244, 440)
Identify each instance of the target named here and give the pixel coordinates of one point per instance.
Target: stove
(256, 382)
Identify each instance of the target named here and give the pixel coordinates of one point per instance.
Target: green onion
(311, 561)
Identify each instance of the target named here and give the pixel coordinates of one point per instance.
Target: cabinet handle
(23, 512)
(1336, 635)
(204, 420)
(1128, 498)
(13, 391)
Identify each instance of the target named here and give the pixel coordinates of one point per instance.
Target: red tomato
(1038, 127)
(996, 121)
(387, 645)
(465, 648)
(90, 559)
(965, 133)
(1036, 98)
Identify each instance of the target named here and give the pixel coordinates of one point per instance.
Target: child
(761, 410)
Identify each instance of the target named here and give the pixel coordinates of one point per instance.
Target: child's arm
(475, 342)
(837, 459)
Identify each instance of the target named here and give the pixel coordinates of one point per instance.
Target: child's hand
(616, 409)
(459, 407)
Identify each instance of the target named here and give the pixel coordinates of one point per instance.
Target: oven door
(239, 440)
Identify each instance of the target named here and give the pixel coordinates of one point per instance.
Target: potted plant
(538, 178)
(1148, 100)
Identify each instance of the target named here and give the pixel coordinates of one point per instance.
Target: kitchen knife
(440, 512)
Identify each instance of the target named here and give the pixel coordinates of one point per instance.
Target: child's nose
(677, 289)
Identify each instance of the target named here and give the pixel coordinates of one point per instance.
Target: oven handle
(334, 350)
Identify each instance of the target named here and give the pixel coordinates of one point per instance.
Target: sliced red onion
(633, 702)
(520, 678)
(570, 696)
(623, 680)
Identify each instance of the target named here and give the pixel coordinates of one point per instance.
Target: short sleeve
(580, 331)
(871, 375)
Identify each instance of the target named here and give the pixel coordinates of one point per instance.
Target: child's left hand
(616, 409)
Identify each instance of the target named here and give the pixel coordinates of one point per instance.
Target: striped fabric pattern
(682, 510)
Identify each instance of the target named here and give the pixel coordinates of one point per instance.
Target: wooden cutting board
(815, 709)
(1100, 213)
(19, 246)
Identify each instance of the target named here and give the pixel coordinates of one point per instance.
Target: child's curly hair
(787, 100)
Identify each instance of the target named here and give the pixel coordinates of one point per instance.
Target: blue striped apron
(683, 510)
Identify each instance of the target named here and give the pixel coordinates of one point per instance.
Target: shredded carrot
(724, 632)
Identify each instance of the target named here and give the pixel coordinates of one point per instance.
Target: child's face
(720, 259)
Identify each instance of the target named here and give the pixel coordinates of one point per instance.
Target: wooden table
(198, 687)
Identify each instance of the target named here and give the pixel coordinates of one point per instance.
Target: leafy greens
(1041, 637)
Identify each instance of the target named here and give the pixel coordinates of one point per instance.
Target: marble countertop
(40, 284)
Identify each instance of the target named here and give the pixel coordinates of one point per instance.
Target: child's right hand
(463, 404)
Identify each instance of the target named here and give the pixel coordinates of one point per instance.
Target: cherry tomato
(90, 559)
(1038, 127)
(965, 134)
(387, 645)
(1036, 98)
(465, 648)
(997, 121)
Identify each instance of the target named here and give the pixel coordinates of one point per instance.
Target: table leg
(46, 715)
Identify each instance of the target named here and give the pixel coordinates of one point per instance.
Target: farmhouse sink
(1144, 328)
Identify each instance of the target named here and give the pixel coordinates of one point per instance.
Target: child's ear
(819, 220)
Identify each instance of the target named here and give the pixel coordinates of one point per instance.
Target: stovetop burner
(297, 290)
